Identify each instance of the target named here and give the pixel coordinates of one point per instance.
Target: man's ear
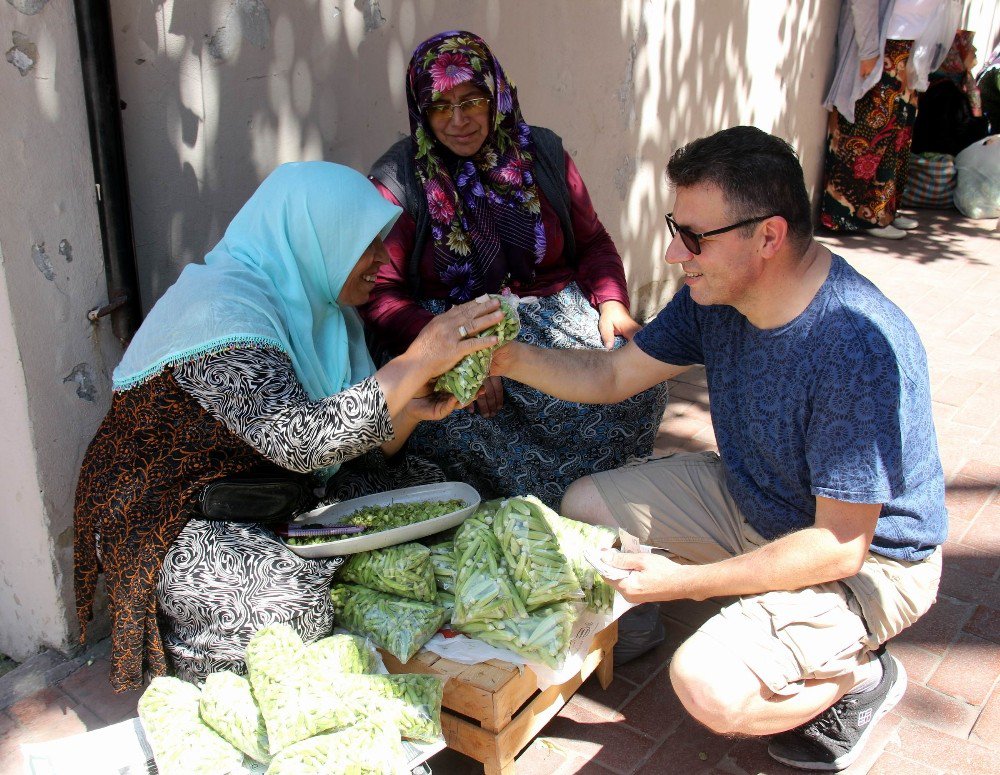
(773, 234)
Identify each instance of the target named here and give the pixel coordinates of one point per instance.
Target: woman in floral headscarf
(950, 115)
(490, 202)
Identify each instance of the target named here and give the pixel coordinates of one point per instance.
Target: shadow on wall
(699, 72)
(219, 93)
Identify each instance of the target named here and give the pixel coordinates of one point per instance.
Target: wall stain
(626, 92)
(84, 380)
(23, 54)
(41, 259)
(249, 19)
(624, 176)
(28, 7)
(372, 13)
(66, 250)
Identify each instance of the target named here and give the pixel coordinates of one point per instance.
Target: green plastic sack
(574, 539)
(227, 706)
(443, 560)
(468, 375)
(405, 570)
(338, 654)
(369, 748)
(182, 743)
(294, 684)
(396, 624)
(542, 636)
(410, 701)
(483, 587)
(539, 568)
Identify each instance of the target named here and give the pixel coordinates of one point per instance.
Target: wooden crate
(491, 711)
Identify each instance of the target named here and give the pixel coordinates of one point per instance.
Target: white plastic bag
(977, 194)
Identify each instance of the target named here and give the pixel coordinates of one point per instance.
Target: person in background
(821, 518)
(950, 115)
(988, 82)
(491, 202)
(251, 369)
(872, 108)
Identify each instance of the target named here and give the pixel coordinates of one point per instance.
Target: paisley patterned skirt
(223, 581)
(866, 161)
(537, 444)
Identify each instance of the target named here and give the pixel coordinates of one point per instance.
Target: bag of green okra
(468, 375)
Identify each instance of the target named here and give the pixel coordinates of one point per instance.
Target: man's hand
(615, 319)
(504, 359)
(490, 398)
(654, 578)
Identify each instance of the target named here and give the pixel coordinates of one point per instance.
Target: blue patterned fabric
(537, 444)
(835, 404)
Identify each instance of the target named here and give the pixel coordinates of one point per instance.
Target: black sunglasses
(692, 240)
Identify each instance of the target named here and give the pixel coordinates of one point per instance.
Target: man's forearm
(800, 559)
(585, 376)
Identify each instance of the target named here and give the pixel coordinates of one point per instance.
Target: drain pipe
(107, 149)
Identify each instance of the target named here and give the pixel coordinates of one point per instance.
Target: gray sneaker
(836, 737)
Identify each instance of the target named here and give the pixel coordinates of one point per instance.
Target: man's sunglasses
(692, 240)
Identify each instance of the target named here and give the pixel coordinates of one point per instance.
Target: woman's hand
(490, 398)
(615, 320)
(450, 336)
(867, 65)
(442, 343)
(432, 406)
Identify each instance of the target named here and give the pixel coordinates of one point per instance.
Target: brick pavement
(946, 277)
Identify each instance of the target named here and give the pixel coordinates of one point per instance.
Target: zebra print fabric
(255, 393)
(223, 581)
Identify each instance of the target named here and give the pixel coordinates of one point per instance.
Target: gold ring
(463, 332)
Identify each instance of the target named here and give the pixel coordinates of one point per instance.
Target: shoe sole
(891, 699)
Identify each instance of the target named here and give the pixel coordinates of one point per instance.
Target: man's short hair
(758, 174)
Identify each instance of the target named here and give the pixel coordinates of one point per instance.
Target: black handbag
(254, 499)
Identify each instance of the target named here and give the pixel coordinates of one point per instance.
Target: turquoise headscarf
(274, 280)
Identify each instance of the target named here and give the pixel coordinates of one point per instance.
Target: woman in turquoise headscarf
(252, 364)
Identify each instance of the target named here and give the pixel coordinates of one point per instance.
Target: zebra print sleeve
(254, 392)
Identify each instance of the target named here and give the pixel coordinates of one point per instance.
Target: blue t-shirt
(835, 403)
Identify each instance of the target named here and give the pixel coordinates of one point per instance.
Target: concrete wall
(54, 366)
(220, 92)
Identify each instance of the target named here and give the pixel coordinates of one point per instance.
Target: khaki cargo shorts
(680, 504)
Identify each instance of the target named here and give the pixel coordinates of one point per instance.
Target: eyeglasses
(476, 106)
(692, 240)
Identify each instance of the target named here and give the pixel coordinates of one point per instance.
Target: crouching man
(823, 514)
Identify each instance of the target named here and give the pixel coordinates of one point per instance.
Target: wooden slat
(487, 677)
(504, 699)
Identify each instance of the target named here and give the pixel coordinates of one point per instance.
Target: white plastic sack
(977, 194)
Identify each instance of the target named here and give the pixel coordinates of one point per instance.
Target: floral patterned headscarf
(484, 209)
(955, 69)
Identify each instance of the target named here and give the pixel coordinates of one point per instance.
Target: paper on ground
(122, 749)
